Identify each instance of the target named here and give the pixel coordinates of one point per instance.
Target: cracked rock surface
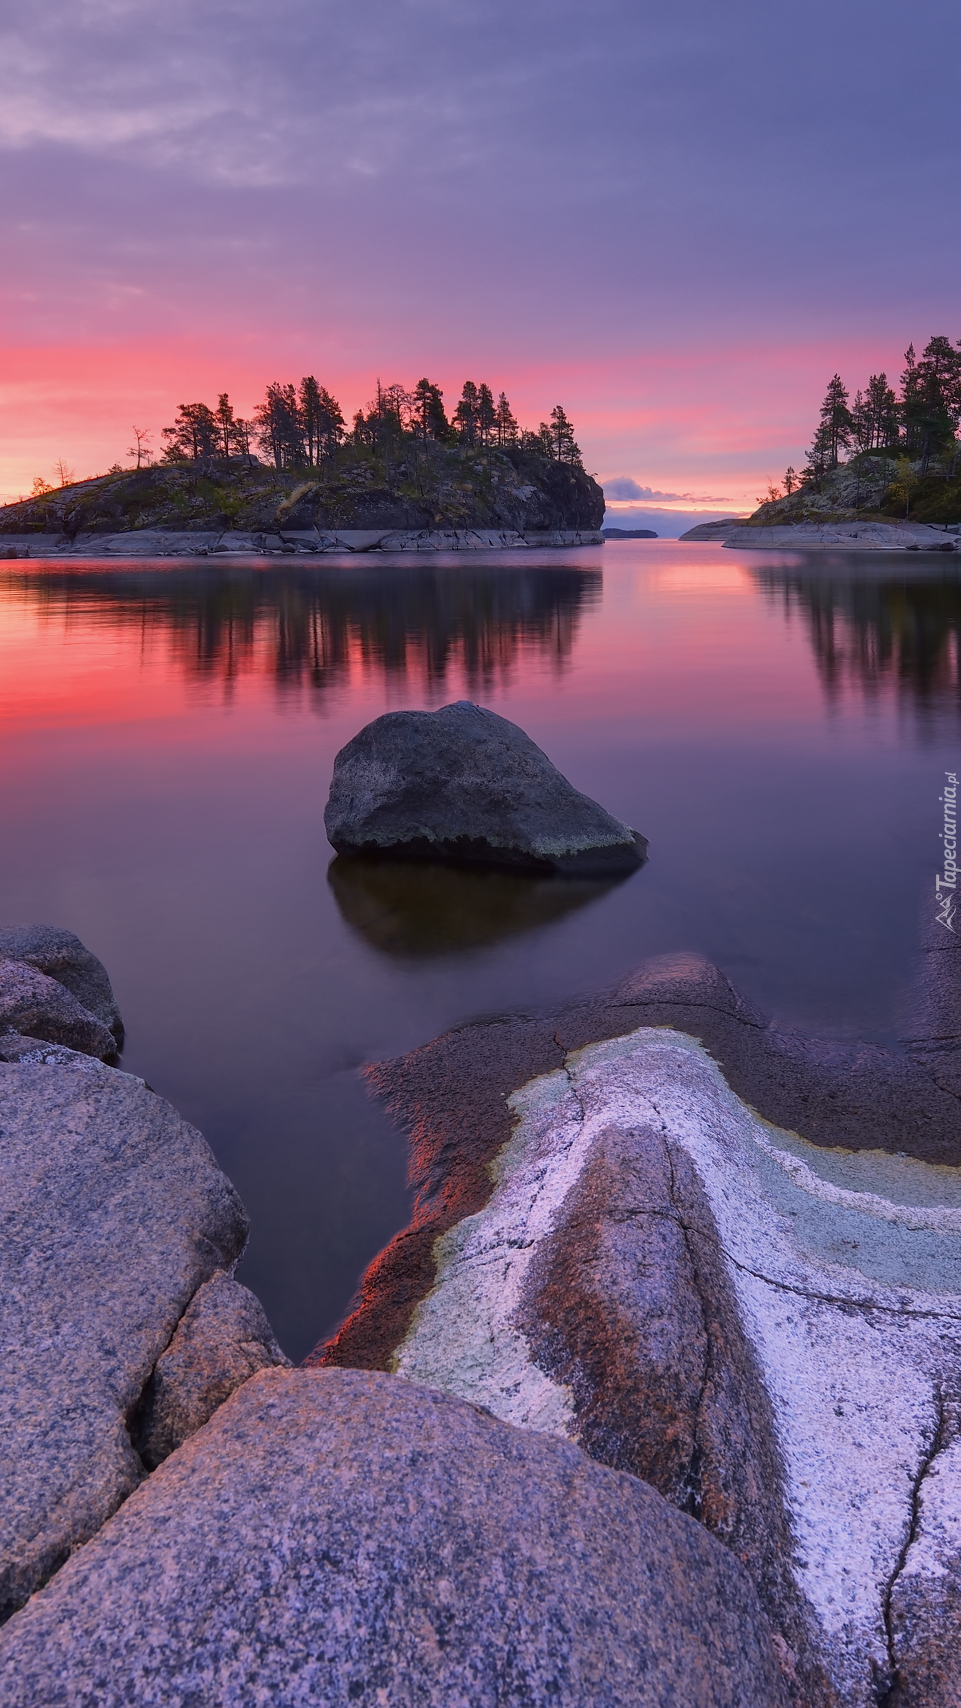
(342, 1537)
(222, 1339)
(766, 1330)
(113, 1213)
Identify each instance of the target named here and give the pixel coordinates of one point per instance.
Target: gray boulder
(63, 957)
(341, 1537)
(112, 1213)
(464, 784)
(222, 1339)
(39, 1007)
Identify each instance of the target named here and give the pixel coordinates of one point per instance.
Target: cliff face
(429, 487)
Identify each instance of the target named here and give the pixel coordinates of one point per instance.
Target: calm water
(778, 729)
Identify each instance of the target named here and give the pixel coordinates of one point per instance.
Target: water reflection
(878, 627)
(310, 626)
(414, 909)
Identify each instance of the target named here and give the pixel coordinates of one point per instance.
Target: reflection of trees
(308, 627)
(878, 629)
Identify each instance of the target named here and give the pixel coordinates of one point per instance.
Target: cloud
(624, 488)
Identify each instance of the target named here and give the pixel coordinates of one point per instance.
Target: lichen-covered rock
(343, 1538)
(464, 784)
(40, 1007)
(112, 1213)
(222, 1339)
(765, 1330)
(63, 957)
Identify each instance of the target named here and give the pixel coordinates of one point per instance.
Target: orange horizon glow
(721, 420)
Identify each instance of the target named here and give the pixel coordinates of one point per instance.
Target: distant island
(629, 533)
(403, 474)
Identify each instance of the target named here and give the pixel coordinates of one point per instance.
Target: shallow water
(779, 727)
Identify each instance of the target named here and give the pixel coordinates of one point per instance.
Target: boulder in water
(466, 785)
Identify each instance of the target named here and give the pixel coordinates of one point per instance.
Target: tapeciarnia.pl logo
(949, 836)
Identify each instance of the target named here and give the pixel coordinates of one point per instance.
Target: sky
(674, 217)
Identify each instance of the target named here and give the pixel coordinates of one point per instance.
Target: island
(403, 478)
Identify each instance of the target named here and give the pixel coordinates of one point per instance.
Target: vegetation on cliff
(402, 465)
(902, 449)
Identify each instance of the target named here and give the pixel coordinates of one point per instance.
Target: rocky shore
(286, 542)
(657, 1400)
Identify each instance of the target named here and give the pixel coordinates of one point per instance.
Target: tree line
(301, 426)
(918, 426)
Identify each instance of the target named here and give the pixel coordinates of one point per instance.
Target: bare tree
(64, 474)
(140, 449)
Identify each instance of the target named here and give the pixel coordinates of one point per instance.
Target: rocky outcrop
(222, 1339)
(464, 784)
(609, 1245)
(290, 542)
(113, 1214)
(715, 531)
(417, 493)
(62, 956)
(342, 1537)
(844, 536)
(39, 1007)
(765, 1331)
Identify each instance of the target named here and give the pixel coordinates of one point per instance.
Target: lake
(778, 726)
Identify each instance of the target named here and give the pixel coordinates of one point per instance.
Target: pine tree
(560, 436)
(836, 420)
(428, 411)
(931, 398)
(505, 425)
(486, 414)
(279, 427)
(466, 413)
(195, 434)
(883, 407)
(321, 420)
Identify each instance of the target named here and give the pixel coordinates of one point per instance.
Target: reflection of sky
(678, 220)
(163, 796)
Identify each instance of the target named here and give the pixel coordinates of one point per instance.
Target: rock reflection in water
(876, 626)
(418, 909)
(309, 627)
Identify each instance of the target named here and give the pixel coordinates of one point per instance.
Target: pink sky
(678, 222)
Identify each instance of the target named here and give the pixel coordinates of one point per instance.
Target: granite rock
(63, 957)
(40, 1007)
(464, 784)
(763, 1329)
(342, 1537)
(112, 1213)
(222, 1339)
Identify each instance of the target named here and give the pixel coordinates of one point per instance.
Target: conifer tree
(428, 411)
(505, 425)
(195, 434)
(486, 414)
(836, 420)
(883, 407)
(466, 413)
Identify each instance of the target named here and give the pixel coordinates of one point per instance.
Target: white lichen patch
(847, 1272)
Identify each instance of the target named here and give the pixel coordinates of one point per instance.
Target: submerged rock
(113, 1213)
(342, 1537)
(463, 784)
(39, 1007)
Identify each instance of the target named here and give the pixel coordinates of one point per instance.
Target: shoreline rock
(284, 542)
(845, 536)
(342, 1537)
